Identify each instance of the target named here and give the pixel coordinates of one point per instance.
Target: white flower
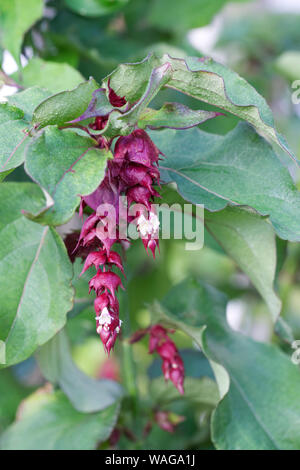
(154, 220)
(104, 318)
(148, 226)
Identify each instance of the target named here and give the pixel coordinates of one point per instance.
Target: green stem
(129, 374)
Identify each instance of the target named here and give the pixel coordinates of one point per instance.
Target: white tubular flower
(149, 226)
(154, 220)
(104, 318)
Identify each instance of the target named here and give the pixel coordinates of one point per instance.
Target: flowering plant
(104, 181)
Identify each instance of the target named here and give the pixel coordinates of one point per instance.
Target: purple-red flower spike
(172, 366)
(132, 173)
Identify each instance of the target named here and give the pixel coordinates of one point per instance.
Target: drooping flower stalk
(160, 342)
(132, 173)
(172, 366)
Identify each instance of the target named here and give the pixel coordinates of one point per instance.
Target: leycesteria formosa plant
(113, 153)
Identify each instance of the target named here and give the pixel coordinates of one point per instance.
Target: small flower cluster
(135, 165)
(172, 366)
(132, 173)
(160, 342)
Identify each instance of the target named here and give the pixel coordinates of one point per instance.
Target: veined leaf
(237, 169)
(174, 116)
(65, 106)
(203, 79)
(250, 241)
(35, 273)
(215, 84)
(246, 237)
(66, 165)
(49, 422)
(13, 138)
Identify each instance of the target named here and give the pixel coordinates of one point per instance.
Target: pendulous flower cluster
(172, 365)
(132, 172)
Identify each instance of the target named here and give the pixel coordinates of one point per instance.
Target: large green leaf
(85, 393)
(215, 84)
(49, 422)
(64, 106)
(66, 165)
(261, 408)
(16, 17)
(203, 79)
(245, 236)
(53, 76)
(35, 274)
(237, 169)
(250, 241)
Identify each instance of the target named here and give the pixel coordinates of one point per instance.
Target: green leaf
(66, 165)
(85, 393)
(261, 408)
(132, 80)
(28, 100)
(237, 169)
(173, 116)
(53, 76)
(14, 127)
(94, 8)
(65, 106)
(215, 84)
(35, 274)
(246, 237)
(13, 138)
(49, 422)
(203, 79)
(250, 241)
(202, 391)
(123, 123)
(16, 18)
